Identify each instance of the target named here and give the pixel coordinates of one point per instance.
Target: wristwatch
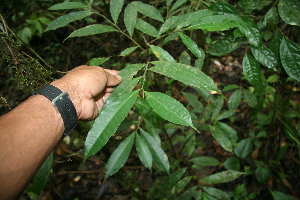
(63, 103)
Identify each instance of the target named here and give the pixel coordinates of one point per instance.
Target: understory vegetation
(208, 107)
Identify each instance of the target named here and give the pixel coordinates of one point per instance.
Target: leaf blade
(115, 9)
(68, 6)
(162, 54)
(144, 152)
(130, 18)
(222, 177)
(146, 28)
(192, 46)
(92, 30)
(148, 10)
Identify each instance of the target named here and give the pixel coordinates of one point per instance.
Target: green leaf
(221, 138)
(235, 100)
(190, 144)
(228, 131)
(169, 108)
(169, 23)
(107, 122)
(224, 46)
(186, 74)
(252, 34)
(68, 18)
(192, 46)
(289, 11)
(223, 8)
(161, 54)
(216, 23)
(41, 177)
(192, 18)
(262, 173)
(252, 72)
(148, 10)
(218, 104)
(217, 193)
(98, 61)
(225, 114)
(130, 18)
(180, 185)
(244, 148)
(265, 57)
(92, 30)
(128, 51)
(250, 98)
(254, 4)
(159, 156)
(115, 9)
(177, 4)
(232, 163)
(185, 58)
(221, 177)
(193, 100)
(277, 195)
(146, 28)
(129, 71)
(290, 58)
(68, 6)
(119, 156)
(205, 161)
(143, 151)
(271, 18)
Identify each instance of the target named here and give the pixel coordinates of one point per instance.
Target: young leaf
(192, 46)
(143, 151)
(289, 11)
(169, 108)
(265, 56)
(221, 177)
(128, 51)
(159, 156)
(68, 6)
(205, 161)
(148, 10)
(177, 4)
(244, 148)
(92, 30)
(115, 9)
(119, 156)
(107, 122)
(290, 58)
(221, 138)
(161, 54)
(223, 8)
(130, 17)
(68, 18)
(146, 28)
(186, 74)
(224, 46)
(129, 71)
(235, 100)
(98, 61)
(252, 71)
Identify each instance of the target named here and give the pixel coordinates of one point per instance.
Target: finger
(112, 80)
(109, 90)
(111, 71)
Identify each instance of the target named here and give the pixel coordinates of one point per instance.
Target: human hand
(88, 87)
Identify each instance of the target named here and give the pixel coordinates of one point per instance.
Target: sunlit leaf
(115, 9)
(221, 177)
(68, 18)
(186, 74)
(159, 156)
(130, 18)
(68, 6)
(169, 108)
(107, 122)
(143, 151)
(161, 54)
(192, 46)
(92, 30)
(128, 51)
(290, 58)
(119, 156)
(289, 11)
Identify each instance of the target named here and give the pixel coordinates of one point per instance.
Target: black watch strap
(63, 103)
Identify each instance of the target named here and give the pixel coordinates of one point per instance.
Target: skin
(29, 132)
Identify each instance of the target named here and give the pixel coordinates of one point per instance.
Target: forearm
(27, 135)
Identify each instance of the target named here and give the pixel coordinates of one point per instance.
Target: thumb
(112, 80)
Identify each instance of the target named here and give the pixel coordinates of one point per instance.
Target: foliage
(177, 110)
